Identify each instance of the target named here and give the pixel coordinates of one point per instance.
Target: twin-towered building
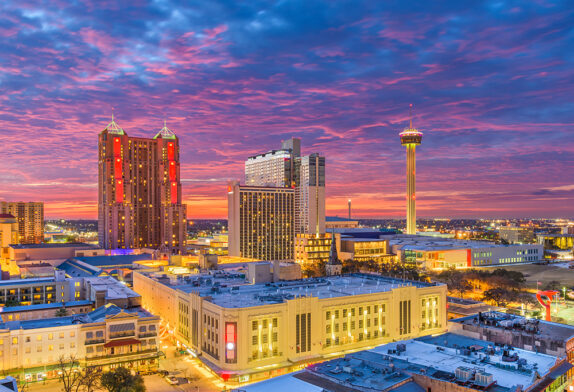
(139, 191)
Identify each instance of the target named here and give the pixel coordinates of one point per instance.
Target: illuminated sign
(231, 342)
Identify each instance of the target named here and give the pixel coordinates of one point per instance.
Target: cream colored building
(248, 332)
(106, 337)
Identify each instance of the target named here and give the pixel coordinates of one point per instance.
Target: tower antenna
(411, 116)
(112, 114)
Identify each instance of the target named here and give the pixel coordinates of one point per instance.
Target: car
(163, 372)
(172, 380)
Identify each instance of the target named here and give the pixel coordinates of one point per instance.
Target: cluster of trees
(89, 379)
(498, 286)
(402, 270)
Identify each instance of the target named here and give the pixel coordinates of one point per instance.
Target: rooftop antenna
(411, 116)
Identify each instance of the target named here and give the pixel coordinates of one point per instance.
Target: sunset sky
(492, 83)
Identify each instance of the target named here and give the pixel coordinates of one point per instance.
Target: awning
(121, 342)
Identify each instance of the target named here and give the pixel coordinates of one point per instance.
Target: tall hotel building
(139, 191)
(286, 168)
(260, 221)
(30, 219)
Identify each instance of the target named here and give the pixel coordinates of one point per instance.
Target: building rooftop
(113, 261)
(55, 305)
(442, 355)
(421, 242)
(114, 288)
(231, 290)
(519, 324)
(17, 282)
(94, 316)
(339, 219)
(53, 245)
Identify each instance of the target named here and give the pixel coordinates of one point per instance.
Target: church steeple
(334, 265)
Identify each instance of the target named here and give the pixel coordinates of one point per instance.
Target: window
(39, 338)
(72, 334)
(14, 340)
(61, 335)
(72, 345)
(50, 336)
(50, 347)
(89, 335)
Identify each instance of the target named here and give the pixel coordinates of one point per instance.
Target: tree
(456, 281)
(90, 380)
(62, 312)
(553, 285)
(500, 296)
(69, 373)
(122, 380)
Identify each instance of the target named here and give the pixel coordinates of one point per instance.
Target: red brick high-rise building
(139, 191)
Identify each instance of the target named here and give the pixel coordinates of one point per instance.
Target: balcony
(94, 341)
(147, 334)
(142, 354)
(125, 334)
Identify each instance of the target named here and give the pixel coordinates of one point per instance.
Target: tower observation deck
(411, 138)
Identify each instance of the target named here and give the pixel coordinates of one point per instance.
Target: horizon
(490, 84)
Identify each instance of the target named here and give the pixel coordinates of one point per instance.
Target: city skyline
(491, 88)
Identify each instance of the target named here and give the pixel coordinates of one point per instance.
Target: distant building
(462, 307)
(30, 217)
(139, 191)
(8, 235)
(334, 222)
(438, 253)
(557, 246)
(260, 221)
(270, 272)
(105, 338)
(517, 235)
(241, 330)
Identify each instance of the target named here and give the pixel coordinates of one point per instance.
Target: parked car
(172, 380)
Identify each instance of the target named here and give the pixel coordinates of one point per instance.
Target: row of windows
(361, 311)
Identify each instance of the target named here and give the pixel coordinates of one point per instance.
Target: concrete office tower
(310, 195)
(274, 168)
(260, 222)
(287, 168)
(30, 218)
(411, 138)
(139, 197)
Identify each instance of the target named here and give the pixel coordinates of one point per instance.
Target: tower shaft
(411, 198)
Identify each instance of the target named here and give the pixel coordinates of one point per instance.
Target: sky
(492, 84)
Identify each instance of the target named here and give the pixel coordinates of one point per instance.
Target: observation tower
(411, 138)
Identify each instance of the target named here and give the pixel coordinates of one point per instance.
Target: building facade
(310, 195)
(139, 197)
(238, 329)
(104, 338)
(305, 174)
(517, 235)
(30, 219)
(260, 222)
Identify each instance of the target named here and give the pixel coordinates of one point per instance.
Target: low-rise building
(557, 246)
(529, 334)
(251, 331)
(312, 248)
(335, 222)
(106, 337)
(442, 253)
(446, 362)
(43, 311)
(516, 234)
(59, 288)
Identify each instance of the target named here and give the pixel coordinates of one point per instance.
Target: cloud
(491, 88)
